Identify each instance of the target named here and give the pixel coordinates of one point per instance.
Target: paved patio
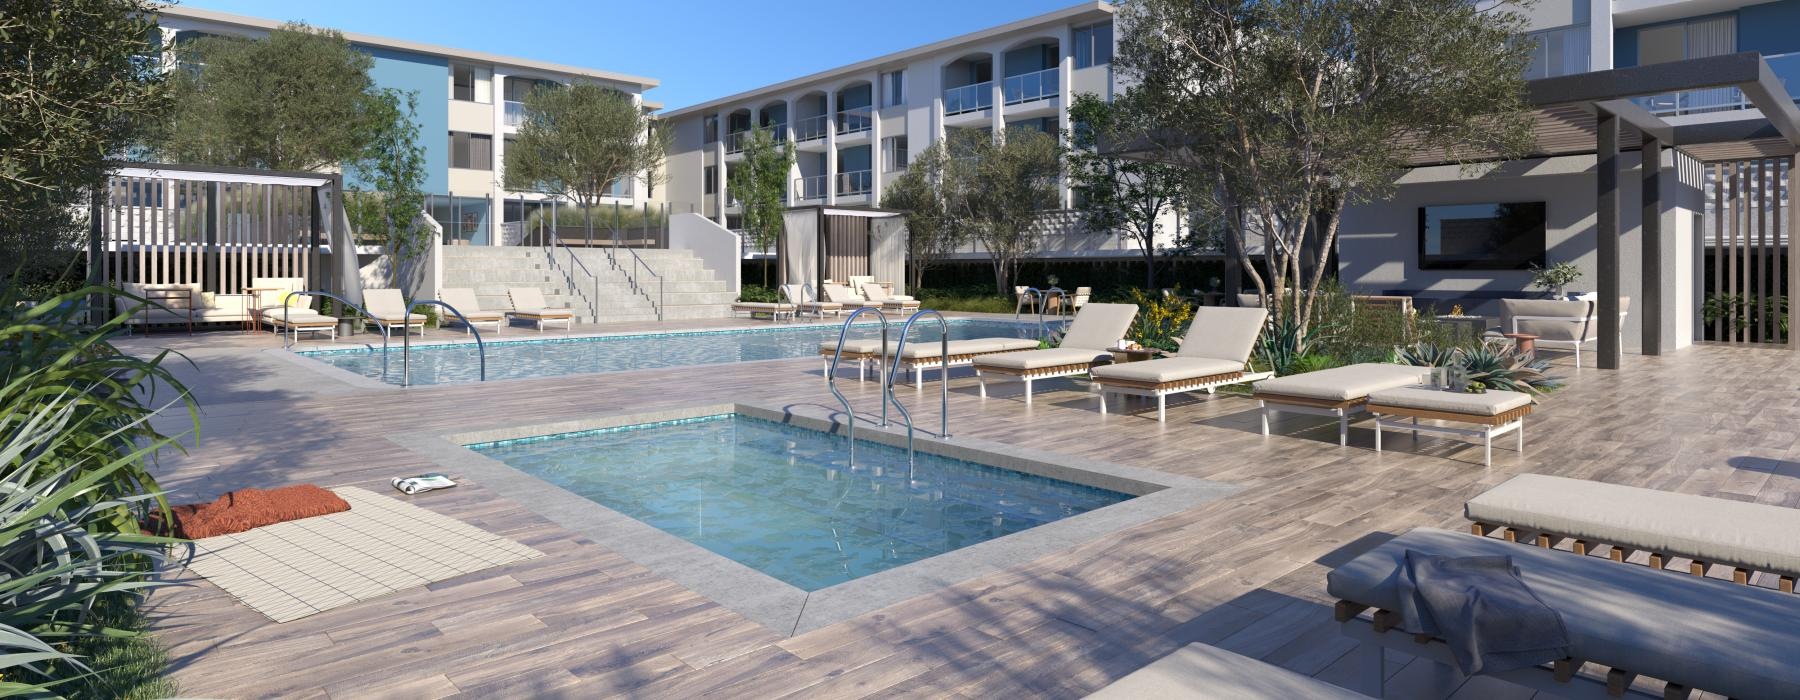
(1246, 572)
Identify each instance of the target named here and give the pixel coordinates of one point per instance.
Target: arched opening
(1031, 72)
(968, 84)
(856, 110)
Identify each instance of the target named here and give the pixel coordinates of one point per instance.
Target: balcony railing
(811, 187)
(1785, 66)
(810, 128)
(777, 132)
(1043, 84)
(734, 141)
(856, 119)
(968, 98)
(855, 182)
(515, 113)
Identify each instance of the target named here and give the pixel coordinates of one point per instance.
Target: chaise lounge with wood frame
(1095, 329)
(529, 305)
(1339, 392)
(1213, 354)
(921, 355)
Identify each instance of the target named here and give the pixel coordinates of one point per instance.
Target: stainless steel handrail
(943, 378)
(406, 338)
(831, 375)
(637, 261)
(346, 302)
(552, 241)
(1043, 300)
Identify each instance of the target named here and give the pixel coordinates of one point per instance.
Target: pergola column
(1606, 235)
(1793, 270)
(1651, 225)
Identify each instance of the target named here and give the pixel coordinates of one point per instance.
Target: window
(1093, 45)
(711, 186)
(893, 153)
(471, 151)
(471, 83)
(1560, 51)
(893, 89)
(711, 127)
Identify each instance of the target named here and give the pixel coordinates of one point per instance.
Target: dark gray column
(1606, 236)
(1650, 307)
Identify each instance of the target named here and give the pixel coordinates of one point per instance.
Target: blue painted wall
(1771, 28)
(429, 78)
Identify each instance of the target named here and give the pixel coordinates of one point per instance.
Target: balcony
(515, 113)
(734, 141)
(855, 182)
(777, 132)
(811, 187)
(810, 128)
(1030, 87)
(1785, 66)
(968, 98)
(856, 119)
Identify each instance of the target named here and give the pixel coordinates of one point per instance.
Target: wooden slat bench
(1546, 510)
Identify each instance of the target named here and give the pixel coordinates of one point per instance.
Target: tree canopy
(1115, 194)
(80, 84)
(297, 99)
(577, 140)
(759, 183)
(998, 188)
(1287, 111)
(921, 195)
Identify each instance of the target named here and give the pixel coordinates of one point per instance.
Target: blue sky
(699, 49)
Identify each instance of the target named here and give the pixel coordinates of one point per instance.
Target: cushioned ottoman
(1337, 392)
(1496, 412)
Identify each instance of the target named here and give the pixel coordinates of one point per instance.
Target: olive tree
(999, 188)
(921, 197)
(1117, 194)
(577, 140)
(759, 184)
(1287, 111)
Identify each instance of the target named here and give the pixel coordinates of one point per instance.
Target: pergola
(1594, 113)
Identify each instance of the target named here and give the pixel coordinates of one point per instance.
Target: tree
(1118, 194)
(921, 195)
(759, 184)
(1288, 111)
(998, 188)
(393, 166)
(298, 99)
(80, 85)
(577, 140)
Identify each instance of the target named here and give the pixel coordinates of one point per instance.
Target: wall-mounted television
(1489, 236)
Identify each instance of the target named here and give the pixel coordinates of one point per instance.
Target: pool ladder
(405, 337)
(887, 377)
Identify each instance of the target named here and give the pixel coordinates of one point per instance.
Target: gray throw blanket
(1479, 605)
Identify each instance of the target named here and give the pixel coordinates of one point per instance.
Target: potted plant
(1555, 278)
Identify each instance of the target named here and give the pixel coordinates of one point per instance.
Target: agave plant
(1493, 365)
(1426, 355)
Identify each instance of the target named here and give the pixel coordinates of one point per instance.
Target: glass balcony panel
(810, 128)
(515, 113)
(812, 187)
(968, 98)
(855, 182)
(1029, 87)
(855, 119)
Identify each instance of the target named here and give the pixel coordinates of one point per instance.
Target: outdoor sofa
(1558, 324)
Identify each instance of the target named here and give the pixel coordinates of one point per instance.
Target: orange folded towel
(244, 509)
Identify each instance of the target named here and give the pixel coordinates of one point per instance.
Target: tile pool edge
(781, 607)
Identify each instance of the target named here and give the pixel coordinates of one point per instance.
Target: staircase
(690, 291)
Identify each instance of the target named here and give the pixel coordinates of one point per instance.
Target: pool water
(517, 359)
(782, 499)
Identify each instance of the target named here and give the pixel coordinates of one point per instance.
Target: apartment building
(1408, 244)
(470, 104)
(855, 127)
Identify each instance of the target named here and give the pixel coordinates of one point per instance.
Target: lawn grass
(965, 302)
(127, 668)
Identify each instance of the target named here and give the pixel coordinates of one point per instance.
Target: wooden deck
(1246, 573)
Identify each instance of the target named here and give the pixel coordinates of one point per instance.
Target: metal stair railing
(406, 338)
(943, 379)
(631, 276)
(831, 375)
(551, 243)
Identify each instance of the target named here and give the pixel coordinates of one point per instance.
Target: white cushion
(1492, 403)
(1167, 369)
(1203, 672)
(1099, 326)
(1039, 359)
(1344, 383)
(1223, 332)
(1737, 641)
(1751, 535)
(933, 349)
(542, 313)
(761, 306)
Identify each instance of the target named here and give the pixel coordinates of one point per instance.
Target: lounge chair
(388, 309)
(465, 301)
(921, 355)
(877, 294)
(1745, 537)
(801, 297)
(1633, 623)
(296, 315)
(774, 310)
(1096, 328)
(1561, 325)
(1213, 354)
(528, 304)
(1203, 672)
(1339, 392)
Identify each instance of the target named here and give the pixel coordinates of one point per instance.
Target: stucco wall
(429, 78)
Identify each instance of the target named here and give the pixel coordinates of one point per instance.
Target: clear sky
(699, 49)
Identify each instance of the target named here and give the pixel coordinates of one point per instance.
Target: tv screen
(1508, 236)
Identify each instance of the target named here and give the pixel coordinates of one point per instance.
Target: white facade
(854, 127)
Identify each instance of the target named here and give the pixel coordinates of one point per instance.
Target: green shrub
(1160, 323)
(429, 311)
(759, 294)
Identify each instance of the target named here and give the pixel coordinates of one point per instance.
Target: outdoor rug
(381, 545)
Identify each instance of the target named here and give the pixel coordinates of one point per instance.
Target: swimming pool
(517, 359)
(783, 499)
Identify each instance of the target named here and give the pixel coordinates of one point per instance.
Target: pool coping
(777, 605)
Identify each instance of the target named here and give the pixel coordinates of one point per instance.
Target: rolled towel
(414, 485)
